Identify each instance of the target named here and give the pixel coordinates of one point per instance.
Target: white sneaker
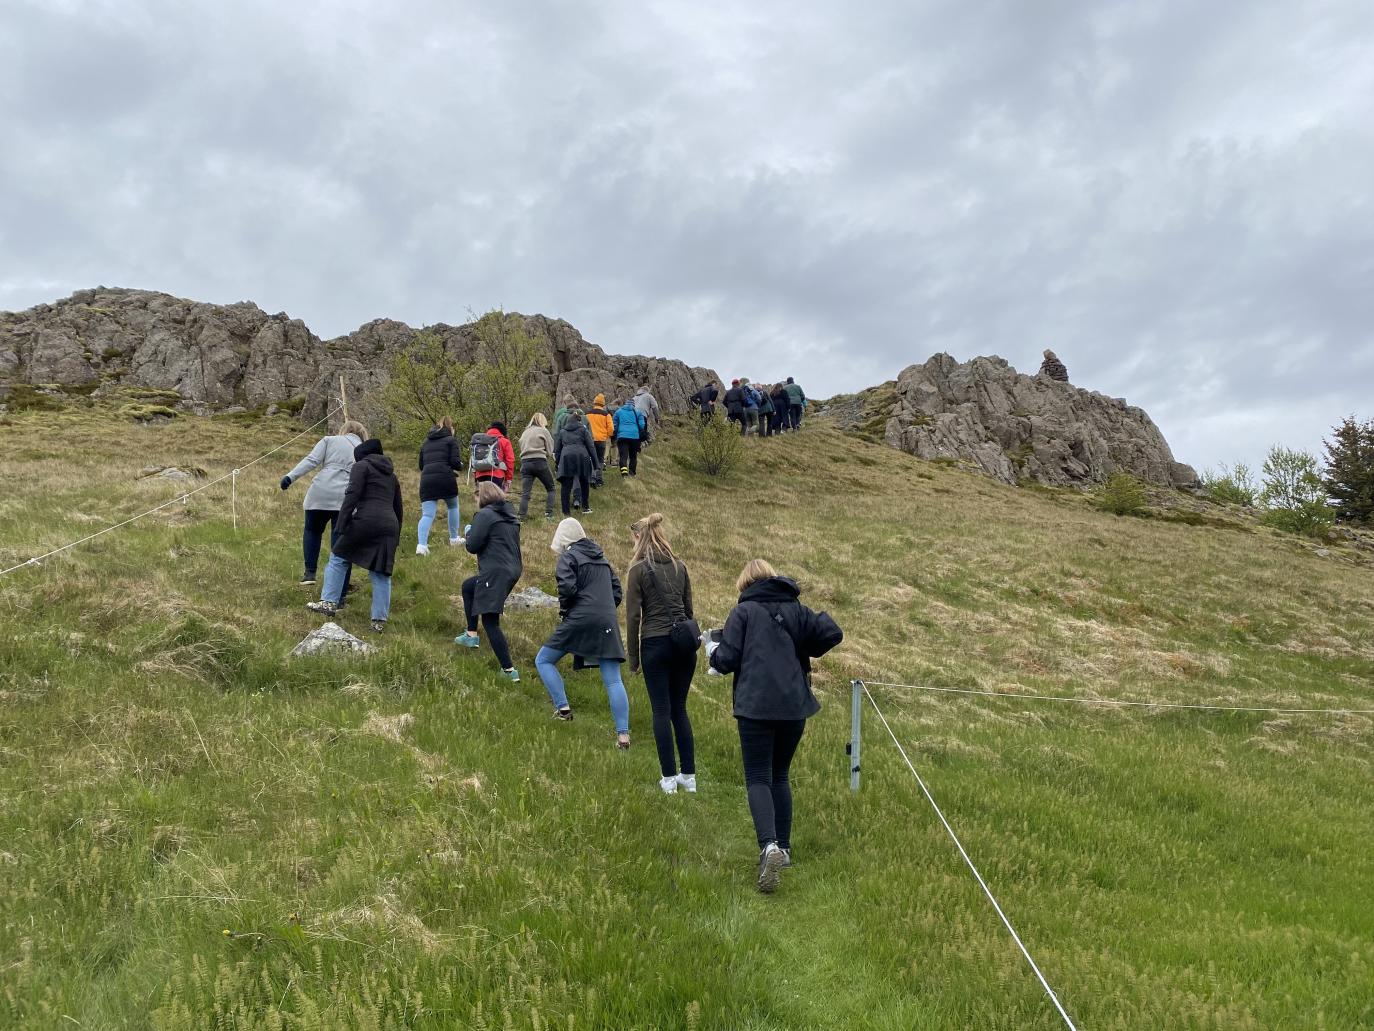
(668, 784)
(453, 542)
(688, 782)
(770, 867)
(422, 549)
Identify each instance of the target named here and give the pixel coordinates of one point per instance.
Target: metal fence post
(855, 722)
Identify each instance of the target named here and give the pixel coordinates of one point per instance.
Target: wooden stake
(343, 397)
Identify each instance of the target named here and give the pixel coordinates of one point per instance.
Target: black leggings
(629, 456)
(668, 677)
(767, 747)
(491, 623)
(584, 488)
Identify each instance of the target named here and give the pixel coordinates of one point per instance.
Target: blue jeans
(546, 662)
(428, 510)
(337, 572)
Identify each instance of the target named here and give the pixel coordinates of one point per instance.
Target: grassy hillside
(196, 832)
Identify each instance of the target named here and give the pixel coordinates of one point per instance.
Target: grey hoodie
(333, 457)
(646, 405)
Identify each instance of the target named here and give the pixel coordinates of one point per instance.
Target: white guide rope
(981, 883)
(183, 498)
(1113, 701)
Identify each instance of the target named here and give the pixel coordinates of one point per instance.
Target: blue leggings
(546, 662)
(429, 509)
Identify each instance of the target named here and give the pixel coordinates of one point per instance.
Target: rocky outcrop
(1014, 427)
(214, 356)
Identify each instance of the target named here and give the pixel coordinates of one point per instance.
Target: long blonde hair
(755, 569)
(651, 543)
(540, 420)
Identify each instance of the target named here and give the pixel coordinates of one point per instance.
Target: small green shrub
(24, 397)
(1122, 495)
(1308, 519)
(1234, 485)
(1293, 494)
(718, 449)
(143, 412)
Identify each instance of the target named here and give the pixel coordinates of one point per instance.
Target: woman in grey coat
(588, 595)
(332, 459)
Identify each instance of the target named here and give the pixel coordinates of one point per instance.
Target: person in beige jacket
(536, 452)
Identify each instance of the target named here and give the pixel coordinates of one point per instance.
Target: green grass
(167, 774)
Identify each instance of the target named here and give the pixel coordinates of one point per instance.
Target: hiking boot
(624, 470)
(378, 625)
(422, 549)
(512, 674)
(586, 511)
(786, 857)
(308, 580)
(688, 782)
(668, 784)
(565, 714)
(454, 542)
(770, 867)
(325, 608)
(467, 640)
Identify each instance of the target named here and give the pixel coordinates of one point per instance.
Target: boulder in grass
(531, 598)
(331, 638)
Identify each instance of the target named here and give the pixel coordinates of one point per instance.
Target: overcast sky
(1176, 196)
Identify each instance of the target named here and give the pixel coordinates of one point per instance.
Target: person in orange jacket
(602, 424)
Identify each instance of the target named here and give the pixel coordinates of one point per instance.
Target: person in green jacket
(796, 401)
(561, 416)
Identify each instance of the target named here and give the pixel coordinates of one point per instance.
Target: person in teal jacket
(629, 429)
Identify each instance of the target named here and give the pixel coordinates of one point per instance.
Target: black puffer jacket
(370, 519)
(768, 643)
(575, 451)
(588, 595)
(495, 539)
(440, 461)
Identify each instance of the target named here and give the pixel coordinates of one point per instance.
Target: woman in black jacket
(658, 596)
(575, 456)
(768, 643)
(440, 462)
(369, 532)
(588, 595)
(494, 537)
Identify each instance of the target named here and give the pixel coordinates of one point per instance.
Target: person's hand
(634, 670)
(285, 482)
(467, 529)
(711, 647)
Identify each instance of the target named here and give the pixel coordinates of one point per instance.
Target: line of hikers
(767, 410)
(767, 643)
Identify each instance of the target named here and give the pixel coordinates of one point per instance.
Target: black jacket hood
(367, 447)
(439, 433)
(588, 548)
(500, 510)
(774, 589)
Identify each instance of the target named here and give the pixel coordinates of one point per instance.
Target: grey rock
(1012, 427)
(531, 598)
(175, 474)
(328, 639)
(1322, 553)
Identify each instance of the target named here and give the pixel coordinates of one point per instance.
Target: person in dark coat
(441, 460)
(588, 596)
(575, 457)
(705, 401)
(369, 532)
(494, 537)
(768, 643)
(766, 411)
(734, 406)
(781, 408)
(1054, 368)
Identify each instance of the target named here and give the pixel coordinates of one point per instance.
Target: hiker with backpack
(492, 456)
(704, 400)
(602, 424)
(369, 533)
(332, 459)
(768, 643)
(494, 537)
(536, 452)
(662, 634)
(734, 405)
(561, 415)
(575, 457)
(631, 427)
(440, 462)
(796, 403)
(647, 405)
(751, 407)
(588, 596)
(765, 412)
(781, 408)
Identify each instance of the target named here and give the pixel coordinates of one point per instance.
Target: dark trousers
(794, 414)
(584, 491)
(765, 424)
(312, 539)
(530, 470)
(767, 747)
(629, 456)
(601, 453)
(491, 623)
(779, 419)
(668, 677)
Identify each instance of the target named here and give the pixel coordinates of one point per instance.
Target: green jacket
(795, 394)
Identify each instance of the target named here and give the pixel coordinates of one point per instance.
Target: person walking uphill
(440, 462)
(630, 430)
(796, 403)
(768, 643)
(536, 452)
(647, 405)
(494, 537)
(734, 405)
(588, 595)
(369, 532)
(661, 632)
(493, 456)
(575, 455)
(602, 424)
(331, 458)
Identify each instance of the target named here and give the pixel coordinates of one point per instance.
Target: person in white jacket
(332, 460)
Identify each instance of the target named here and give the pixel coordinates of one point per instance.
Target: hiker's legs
(680, 675)
(546, 662)
(381, 594)
(566, 482)
(453, 518)
(756, 750)
(312, 537)
(335, 576)
(427, 513)
(787, 734)
(601, 453)
(656, 660)
(526, 485)
(796, 414)
(546, 478)
(469, 590)
(615, 694)
(629, 456)
(496, 637)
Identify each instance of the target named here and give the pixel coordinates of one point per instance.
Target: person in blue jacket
(630, 428)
